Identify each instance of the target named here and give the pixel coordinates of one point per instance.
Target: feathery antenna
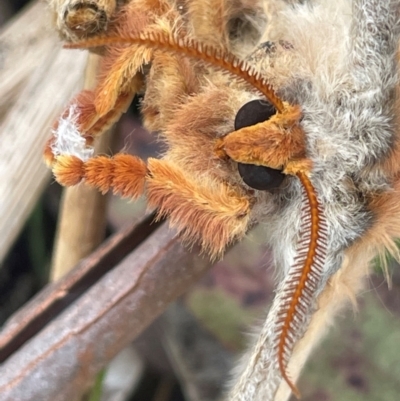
(194, 49)
(303, 279)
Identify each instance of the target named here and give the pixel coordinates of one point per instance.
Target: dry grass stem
(82, 220)
(28, 105)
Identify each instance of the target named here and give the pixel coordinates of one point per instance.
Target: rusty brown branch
(56, 297)
(62, 359)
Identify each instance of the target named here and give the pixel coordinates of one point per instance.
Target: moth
(273, 112)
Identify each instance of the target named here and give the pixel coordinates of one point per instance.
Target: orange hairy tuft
(128, 175)
(107, 120)
(99, 173)
(171, 77)
(84, 111)
(212, 213)
(270, 143)
(122, 77)
(122, 64)
(123, 174)
(68, 170)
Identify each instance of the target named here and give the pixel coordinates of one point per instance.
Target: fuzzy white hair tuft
(68, 139)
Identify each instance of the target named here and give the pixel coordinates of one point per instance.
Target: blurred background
(187, 353)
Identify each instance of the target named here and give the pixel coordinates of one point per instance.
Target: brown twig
(28, 105)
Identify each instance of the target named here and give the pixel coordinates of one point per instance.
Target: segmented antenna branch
(303, 279)
(199, 51)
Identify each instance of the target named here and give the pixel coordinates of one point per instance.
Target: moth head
(231, 140)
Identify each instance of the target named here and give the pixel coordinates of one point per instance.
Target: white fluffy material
(68, 139)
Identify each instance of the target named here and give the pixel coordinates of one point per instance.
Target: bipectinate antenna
(191, 48)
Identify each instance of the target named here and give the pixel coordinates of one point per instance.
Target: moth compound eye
(257, 177)
(260, 177)
(253, 112)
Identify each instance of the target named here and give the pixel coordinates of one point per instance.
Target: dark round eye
(253, 112)
(257, 177)
(260, 177)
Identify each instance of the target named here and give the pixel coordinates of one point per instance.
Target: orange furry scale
(214, 213)
(123, 174)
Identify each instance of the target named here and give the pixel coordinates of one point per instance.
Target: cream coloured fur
(341, 68)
